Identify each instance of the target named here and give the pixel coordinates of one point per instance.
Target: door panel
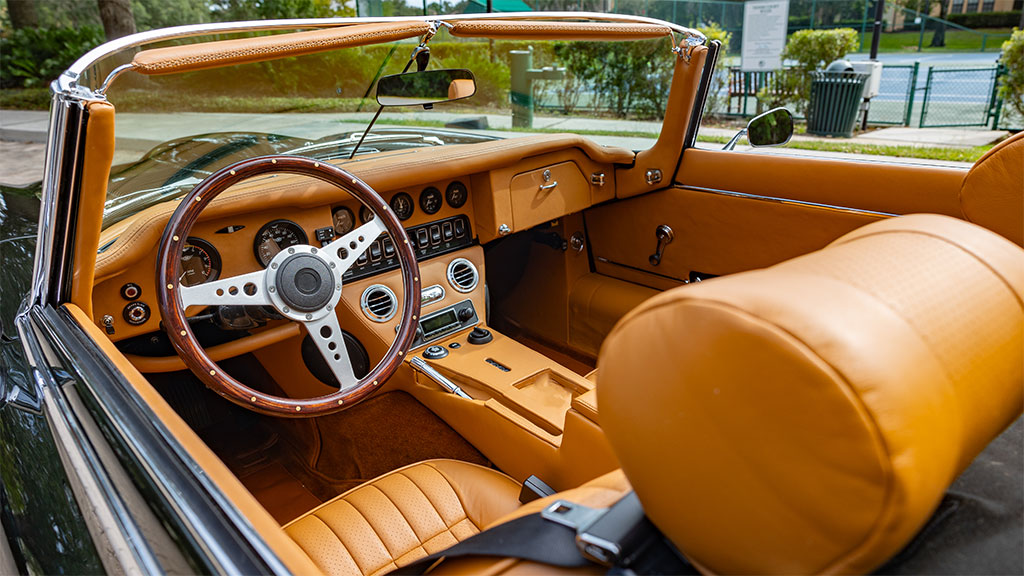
(876, 186)
(714, 234)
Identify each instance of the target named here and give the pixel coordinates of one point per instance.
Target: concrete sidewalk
(137, 133)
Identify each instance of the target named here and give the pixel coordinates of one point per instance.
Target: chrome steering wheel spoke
(347, 249)
(242, 290)
(327, 335)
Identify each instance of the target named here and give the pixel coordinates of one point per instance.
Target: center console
(524, 411)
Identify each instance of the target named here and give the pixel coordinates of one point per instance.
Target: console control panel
(428, 240)
(445, 322)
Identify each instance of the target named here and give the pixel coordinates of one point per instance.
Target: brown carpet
(382, 434)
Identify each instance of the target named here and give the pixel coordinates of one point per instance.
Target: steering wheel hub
(305, 282)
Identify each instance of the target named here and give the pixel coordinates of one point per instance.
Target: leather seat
(992, 193)
(809, 418)
(403, 516)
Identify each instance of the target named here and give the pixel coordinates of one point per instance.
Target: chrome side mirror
(425, 88)
(773, 128)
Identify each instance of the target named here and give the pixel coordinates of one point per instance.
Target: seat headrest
(808, 417)
(992, 193)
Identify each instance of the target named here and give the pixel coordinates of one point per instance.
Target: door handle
(665, 237)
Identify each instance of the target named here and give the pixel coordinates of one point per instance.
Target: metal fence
(909, 95)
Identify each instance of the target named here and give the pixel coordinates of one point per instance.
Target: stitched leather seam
(375, 533)
(457, 495)
(951, 242)
(465, 516)
(432, 505)
(340, 542)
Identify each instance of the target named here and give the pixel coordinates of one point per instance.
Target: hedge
(986, 19)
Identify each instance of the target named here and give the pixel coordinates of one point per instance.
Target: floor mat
(283, 495)
(382, 434)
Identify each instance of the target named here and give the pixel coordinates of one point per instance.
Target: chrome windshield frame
(68, 82)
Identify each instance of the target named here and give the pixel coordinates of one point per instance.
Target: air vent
(462, 275)
(379, 303)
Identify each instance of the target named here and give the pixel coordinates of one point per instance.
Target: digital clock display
(437, 323)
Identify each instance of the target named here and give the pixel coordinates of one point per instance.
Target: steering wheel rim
(294, 270)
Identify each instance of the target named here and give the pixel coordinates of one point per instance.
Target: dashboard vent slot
(462, 275)
(379, 303)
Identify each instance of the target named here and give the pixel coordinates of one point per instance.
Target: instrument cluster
(201, 262)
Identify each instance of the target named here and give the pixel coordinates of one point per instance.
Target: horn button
(304, 282)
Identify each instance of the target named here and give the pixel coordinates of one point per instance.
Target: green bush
(810, 50)
(32, 57)
(716, 94)
(986, 19)
(1011, 84)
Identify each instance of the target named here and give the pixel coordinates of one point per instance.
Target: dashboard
(437, 219)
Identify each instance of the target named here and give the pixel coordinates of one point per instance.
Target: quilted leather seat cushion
(403, 515)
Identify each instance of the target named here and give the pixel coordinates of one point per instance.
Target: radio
(444, 322)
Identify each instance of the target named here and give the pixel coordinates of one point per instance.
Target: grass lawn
(956, 40)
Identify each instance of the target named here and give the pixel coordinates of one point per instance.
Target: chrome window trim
(778, 200)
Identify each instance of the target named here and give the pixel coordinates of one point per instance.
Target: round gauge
(402, 204)
(456, 194)
(344, 220)
(276, 236)
(365, 214)
(200, 262)
(430, 200)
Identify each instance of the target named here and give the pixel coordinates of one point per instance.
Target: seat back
(992, 194)
(809, 417)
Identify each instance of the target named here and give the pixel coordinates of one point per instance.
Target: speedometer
(276, 236)
(200, 262)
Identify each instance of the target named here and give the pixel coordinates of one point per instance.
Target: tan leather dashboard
(500, 188)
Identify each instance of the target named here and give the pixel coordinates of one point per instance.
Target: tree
(939, 38)
(117, 18)
(22, 13)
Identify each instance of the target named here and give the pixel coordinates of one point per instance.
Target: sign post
(764, 34)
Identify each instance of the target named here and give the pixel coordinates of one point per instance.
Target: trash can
(836, 94)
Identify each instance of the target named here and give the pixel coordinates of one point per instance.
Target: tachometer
(276, 236)
(430, 200)
(365, 214)
(200, 262)
(402, 204)
(456, 194)
(344, 220)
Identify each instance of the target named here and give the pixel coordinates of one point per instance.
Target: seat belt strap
(570, 535)
(527, 538)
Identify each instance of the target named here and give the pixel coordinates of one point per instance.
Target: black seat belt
(571, 535)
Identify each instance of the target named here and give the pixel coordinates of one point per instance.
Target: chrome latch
(665, 237)
(653, 176)
(597, 178)
(576, 241)
(546, 175)
(504, 230)
(108, 323)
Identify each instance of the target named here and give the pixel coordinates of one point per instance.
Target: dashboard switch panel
(428, 240)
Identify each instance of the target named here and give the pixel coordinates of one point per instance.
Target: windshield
(174, 130)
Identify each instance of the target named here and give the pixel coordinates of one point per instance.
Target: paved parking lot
(21, 163)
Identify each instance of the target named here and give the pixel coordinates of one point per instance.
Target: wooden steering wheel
(302, 283)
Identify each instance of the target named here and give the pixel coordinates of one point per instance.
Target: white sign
(764, 34)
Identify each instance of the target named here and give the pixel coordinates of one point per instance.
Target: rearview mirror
(425, 88)
(773, 128)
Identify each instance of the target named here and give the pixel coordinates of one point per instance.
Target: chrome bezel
(451, 275)
(364, 304)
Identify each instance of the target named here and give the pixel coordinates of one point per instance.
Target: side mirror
(773, 128)
(425, 88)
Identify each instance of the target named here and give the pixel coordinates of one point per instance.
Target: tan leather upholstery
(539, 30)
(992, 194)
(808, 417)
(173, 59)
(404, 515)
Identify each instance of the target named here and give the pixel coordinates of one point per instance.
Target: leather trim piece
(992, 193)
(533, 30)
(176, 59)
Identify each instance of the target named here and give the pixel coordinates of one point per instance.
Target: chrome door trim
(790, 201)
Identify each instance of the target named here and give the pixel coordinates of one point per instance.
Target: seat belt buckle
(610, 536)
